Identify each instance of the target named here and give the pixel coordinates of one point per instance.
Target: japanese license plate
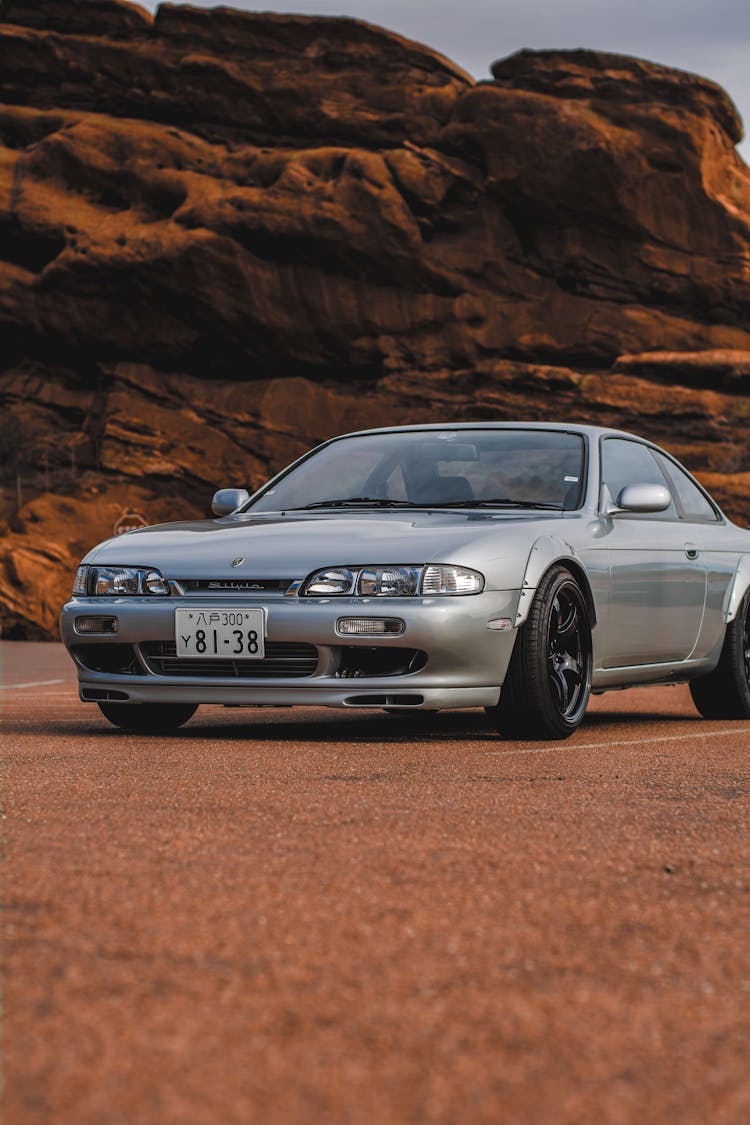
(205, 633)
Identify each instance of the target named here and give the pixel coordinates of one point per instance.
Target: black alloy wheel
(568, 652)
(547, 688)
(725, 692)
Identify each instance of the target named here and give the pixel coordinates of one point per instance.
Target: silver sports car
(514, 567)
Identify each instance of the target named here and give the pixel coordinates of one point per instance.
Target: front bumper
(466, 660)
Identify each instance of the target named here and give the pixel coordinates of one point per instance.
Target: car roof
(560, 427)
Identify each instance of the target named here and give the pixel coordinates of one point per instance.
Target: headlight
(337, 580)
(79, 582)
(108, 581)
(389, 581)
(392, 581)
(451, 580)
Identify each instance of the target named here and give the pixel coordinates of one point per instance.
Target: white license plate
(229, 633)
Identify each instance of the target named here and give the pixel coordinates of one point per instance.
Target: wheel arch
(580, 575)
(737, 590)
(546, 553)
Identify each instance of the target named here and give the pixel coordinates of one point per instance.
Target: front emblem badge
(237, 562)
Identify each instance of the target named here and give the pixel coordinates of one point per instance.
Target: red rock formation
(225, 236)
(725, 368)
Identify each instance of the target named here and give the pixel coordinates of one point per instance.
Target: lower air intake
(282, 661)
(384, 700)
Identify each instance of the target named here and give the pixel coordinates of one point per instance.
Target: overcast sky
(710, 37)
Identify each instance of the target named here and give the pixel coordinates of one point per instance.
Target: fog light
(370, 626)
(96, 625)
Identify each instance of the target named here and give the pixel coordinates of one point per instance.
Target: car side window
(628, 462)
(692, 503)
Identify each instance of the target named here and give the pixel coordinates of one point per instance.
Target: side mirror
(644, 498)
(228, 500)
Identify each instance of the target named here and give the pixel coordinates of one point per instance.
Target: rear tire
(547, 688)
(148, 718)
(725, 692)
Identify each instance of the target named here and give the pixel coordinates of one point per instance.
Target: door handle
(691, 550)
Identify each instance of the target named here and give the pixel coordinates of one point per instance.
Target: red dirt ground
(309, 916)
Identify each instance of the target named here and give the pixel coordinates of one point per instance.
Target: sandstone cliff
(225, 236)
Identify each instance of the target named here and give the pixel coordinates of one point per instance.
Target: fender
(736, 590)
(546, 551)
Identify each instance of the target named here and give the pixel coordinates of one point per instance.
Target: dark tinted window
(629, 462)
(693, 504)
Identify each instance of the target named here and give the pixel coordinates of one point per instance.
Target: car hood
(293, 545)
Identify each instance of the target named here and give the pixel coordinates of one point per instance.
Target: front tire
(725, 692)
(148, 718)
(547, 688)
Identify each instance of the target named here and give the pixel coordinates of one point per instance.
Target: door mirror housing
(228, 500)
(643, 498)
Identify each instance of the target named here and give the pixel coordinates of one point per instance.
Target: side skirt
(616, 679)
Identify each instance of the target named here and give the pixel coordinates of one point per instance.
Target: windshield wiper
(354, 501)
(379, 502)
(498, 502)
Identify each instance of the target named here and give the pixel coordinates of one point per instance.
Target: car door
(706, 530)
(657, 569)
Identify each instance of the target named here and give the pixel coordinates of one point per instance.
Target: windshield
(434, 468)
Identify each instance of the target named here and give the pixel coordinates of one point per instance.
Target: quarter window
(692, 503)
(628, 462)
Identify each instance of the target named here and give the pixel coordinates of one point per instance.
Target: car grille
(222, 587)
(282, 661)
